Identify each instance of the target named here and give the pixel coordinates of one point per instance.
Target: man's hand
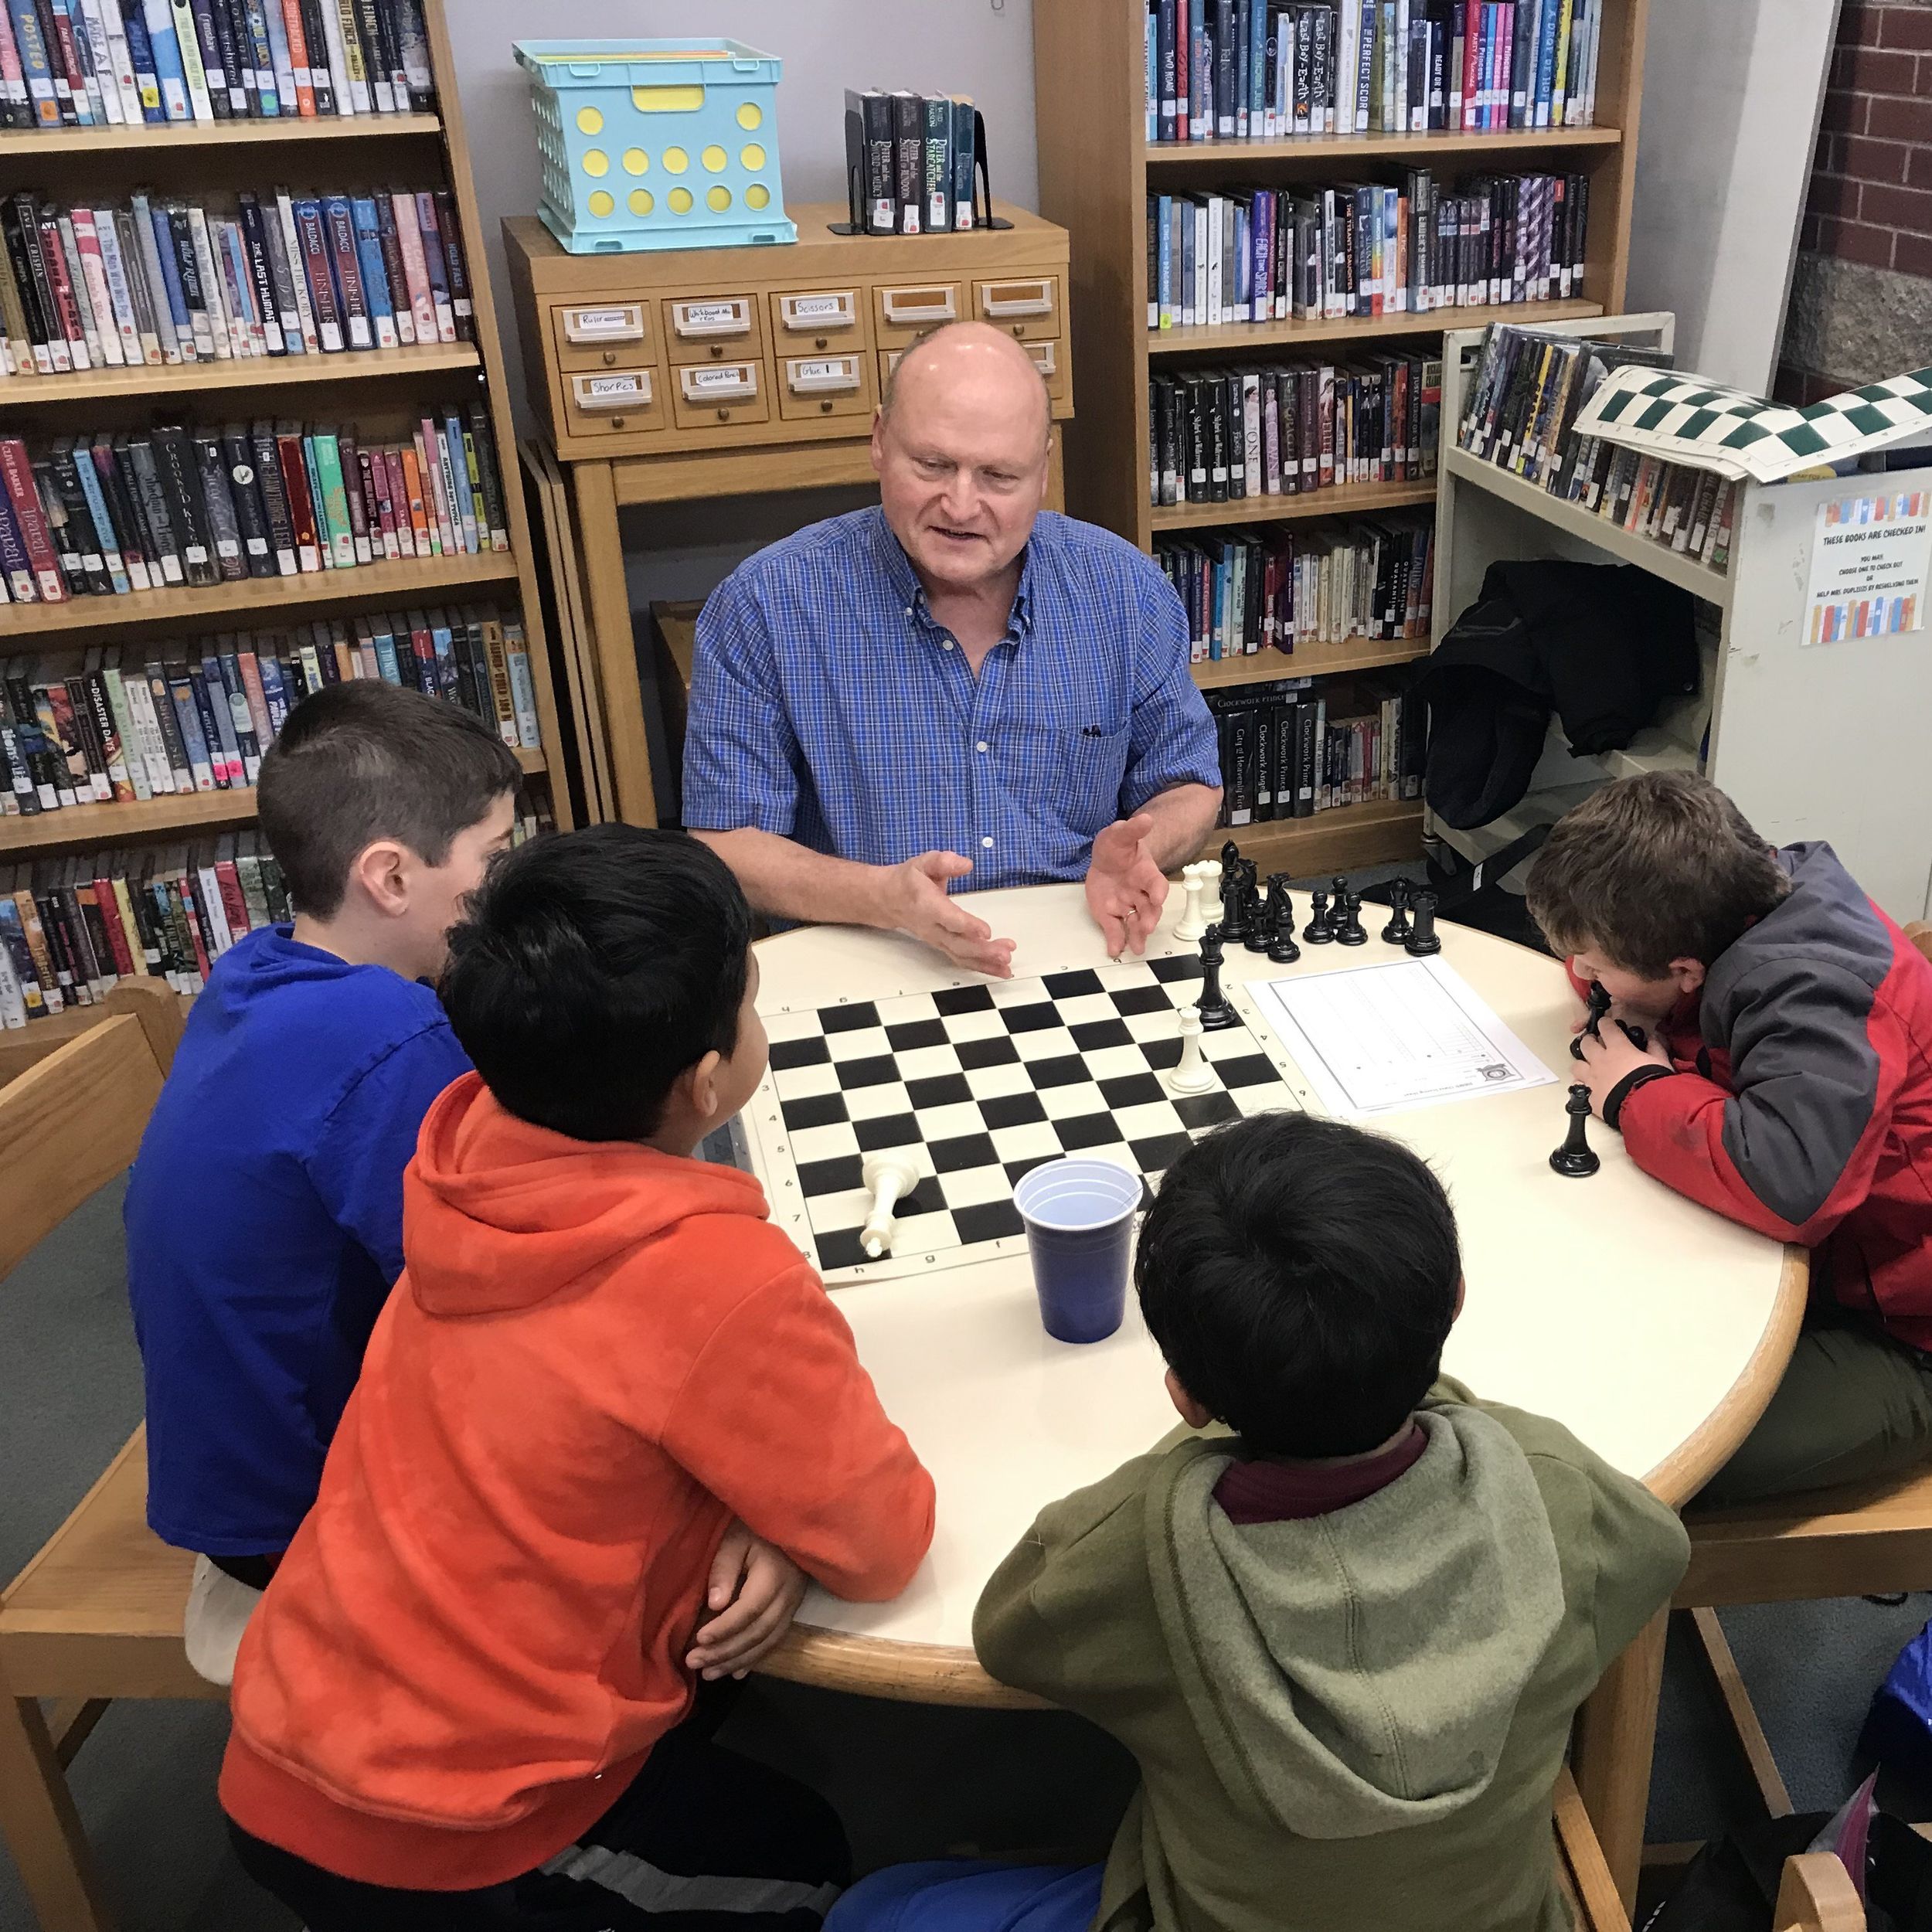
(1608, 1060)
(1125, 888)
(917, 902)
(754, 1593)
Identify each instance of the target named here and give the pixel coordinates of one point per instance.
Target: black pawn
(1576, 1157)
(1316, 931)
(1396, 932)
(1216, 1012)
(1281, 947)
(1348, 928)
(1423, 941)
(1254, 915)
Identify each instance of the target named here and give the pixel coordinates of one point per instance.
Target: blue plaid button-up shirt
(827, 706)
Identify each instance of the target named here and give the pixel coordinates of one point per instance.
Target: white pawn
(1193, 1075)
(890, 1177)
(1195, 880)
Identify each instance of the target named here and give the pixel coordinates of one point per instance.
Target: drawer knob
(617, 422)
(824, 408)
(610, 356)
(717, 352)
(820, 342)
(724, 415)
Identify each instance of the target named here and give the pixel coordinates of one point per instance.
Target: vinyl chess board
(979, 1083)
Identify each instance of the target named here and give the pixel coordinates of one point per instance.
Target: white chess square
(924, 1233)
(863, 1043)
(1018, 992)
(1071, 1103)
(976, 1186)
(804, 1083)
(1049, 1043)
(1267, 1098)
(992, 1083)
(829, 1212)
(875, 1103)
(1145, 1026)
(1143, 1122)
(986, 1026)
(1083, 1007)
(927, 1062)
(1115, 1062)
(802, 1025)
(1028, 1143)
(948, 1123)
(1229, 1043)
(907, 1007)
(823, 1143)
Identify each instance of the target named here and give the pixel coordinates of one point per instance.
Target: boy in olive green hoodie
(1346, 1643)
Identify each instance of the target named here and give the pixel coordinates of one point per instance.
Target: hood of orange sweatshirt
(499, 1215)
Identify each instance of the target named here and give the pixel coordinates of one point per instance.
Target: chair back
(72, 1121)
(1817, 1895)
(1921, 935)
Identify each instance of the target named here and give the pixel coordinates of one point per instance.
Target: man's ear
(381, 871)
(878, 440)
(1687, 975)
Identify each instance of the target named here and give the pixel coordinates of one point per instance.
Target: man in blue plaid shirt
(953, 689)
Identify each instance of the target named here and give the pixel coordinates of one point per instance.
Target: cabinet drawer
(813, 387)
(1050, 359)
(604, 335)
(707, 395)
(902, 311)
(1027, 306)
(714, 328)
(625, 399)
(805, 319)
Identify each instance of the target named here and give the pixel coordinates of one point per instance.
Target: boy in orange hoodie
(606, 1420)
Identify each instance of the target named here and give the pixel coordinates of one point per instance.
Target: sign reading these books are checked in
(1871, 556)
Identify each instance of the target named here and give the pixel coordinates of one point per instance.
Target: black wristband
(1638, 1077)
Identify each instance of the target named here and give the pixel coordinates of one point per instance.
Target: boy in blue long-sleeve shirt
(264, 1210)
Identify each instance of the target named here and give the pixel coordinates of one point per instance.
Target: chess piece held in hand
(1216, 1012)
(1192, 1074)
(889, 1178)
(1576, 1158)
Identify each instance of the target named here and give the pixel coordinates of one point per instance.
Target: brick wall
(1861, 305)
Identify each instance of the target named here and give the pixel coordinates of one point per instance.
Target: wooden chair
(1861, 1539)
(97, 1614)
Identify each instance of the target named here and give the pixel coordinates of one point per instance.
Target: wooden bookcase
(378, 390)
(1097, 169)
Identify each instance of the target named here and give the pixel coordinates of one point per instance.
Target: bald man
(954, 690)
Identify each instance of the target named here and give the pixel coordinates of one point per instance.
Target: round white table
(1649, 1326)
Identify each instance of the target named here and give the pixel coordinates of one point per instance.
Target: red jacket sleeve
(1816, 1064)
(780, 1422)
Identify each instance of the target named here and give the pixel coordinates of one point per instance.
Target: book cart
(1813, 741)
(380, 391)
(1097, 169)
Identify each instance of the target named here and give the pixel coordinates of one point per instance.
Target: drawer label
(610, 388)
(835, 372)
(818, 308)
(731, 380)
(600, 325)
(712, 315)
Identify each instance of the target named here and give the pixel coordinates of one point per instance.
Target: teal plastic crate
(657, 143)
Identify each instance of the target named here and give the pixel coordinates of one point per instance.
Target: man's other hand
(1125, 888)
(917, 902)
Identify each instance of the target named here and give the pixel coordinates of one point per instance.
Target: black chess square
(991, 1221)
(873, 1071)
(1157, 1154)
(816, 1110)
(909, 1034)
(888, 1130)
(787, 1053)
(1030, 1020)
(943, 1089)
(1205, 1110)
(849, 1019)
(974, 1053)
(1251, 1070)
(1016, 1170)
(925, 1198)
(1132, 1089)
(965, 999)
(964, 1151)
(1161, 1054)
(1142, 999)
(1093, 1034)
(1012, 1110)
(1072, 985)
(1068, 1069)
(838, 1176)
(841, 1250)
(1181, 966)
(1089, 1129)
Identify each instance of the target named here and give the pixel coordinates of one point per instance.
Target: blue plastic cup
(1079, 1227)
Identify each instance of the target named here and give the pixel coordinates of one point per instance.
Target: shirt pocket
(1071, 775)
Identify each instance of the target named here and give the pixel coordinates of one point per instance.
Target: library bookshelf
(1097, 169)
(378, 390)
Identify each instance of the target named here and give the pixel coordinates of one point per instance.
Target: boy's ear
(1195, 1414)
(381, 869)
(700, 1083)
(1688, 975)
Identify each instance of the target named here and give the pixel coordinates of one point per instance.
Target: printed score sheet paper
(1373, 1039)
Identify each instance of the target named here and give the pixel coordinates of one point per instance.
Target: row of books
(1261, 254)
(1272, 588)
(146, 63)
(200, 718)
(1219, 436)
(910, 158)
(1525, 391)
(198, 507)
(178, 281)
(1291, 749)
(72, 929)
(1270, 70)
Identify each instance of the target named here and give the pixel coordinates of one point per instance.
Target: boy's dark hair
(592, 969)
(366, 760)
(1653, 869)
(1300, 1276)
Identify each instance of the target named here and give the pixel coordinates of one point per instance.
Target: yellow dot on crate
(636, 161)
(750, 118)
(640, 200)
(716, 160)
(757, 195)
(681, 201)
(596, 163)
(601, 204)
(590, 121)
(752, 159)
(675, 161)
(720, 198)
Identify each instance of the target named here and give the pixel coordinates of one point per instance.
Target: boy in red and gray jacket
(1786, 1084)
